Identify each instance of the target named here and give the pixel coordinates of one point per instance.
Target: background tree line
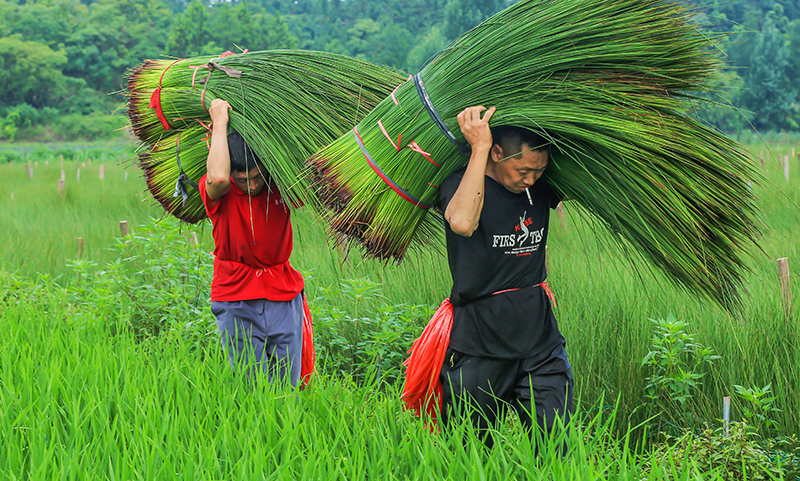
(62, 62)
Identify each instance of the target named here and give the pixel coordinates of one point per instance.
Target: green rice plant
(39, 228)
(605, 296)
(81, 401)
(608, 84)
(286, 104)
(606, 293)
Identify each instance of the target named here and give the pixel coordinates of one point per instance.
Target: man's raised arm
(218, 166)
(464, 209)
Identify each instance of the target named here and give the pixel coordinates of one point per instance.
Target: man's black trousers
(483, 387)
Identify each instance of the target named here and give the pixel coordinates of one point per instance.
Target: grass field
(80, 399)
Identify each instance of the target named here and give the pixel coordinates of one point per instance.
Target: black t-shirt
(506, 251)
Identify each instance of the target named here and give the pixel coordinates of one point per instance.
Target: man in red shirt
(255, 294)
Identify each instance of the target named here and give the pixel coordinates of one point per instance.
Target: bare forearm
(464, 210)
(218, 165)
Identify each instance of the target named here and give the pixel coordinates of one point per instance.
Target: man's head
(247, 171)
(518, 158)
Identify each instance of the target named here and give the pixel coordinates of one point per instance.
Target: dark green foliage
(89, 44)
(731, 457)
(677, 363)
(10, 156)
(92, 126)
(160, 283)
(462, 15)
(359, 344)
(768, 84)
(30, 72)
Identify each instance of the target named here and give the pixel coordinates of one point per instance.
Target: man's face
(518, 173)
(249, 182)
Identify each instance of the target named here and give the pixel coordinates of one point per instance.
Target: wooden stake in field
(83, 165)
(60, 186)
(29, 171)
(80, 247)
(123, 227)
(12, 197)
(786, 288)
(61, 160)
(786, 167)
(78, 176)
(102, 171)
(126, 176)
(726, 415)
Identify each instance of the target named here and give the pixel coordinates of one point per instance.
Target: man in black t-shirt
(505, 344)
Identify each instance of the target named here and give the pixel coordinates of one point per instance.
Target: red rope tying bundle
(155, 99)
(400, 191)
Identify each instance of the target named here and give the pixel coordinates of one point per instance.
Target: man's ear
(496, 154)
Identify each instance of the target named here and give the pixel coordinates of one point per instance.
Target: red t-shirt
(252, 245)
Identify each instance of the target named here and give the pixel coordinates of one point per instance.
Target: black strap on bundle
(464, 149)
(181, 188)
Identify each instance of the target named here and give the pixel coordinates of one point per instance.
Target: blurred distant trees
(69, 57)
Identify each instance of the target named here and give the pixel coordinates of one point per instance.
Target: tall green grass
(78, 401)
(72, 391)
(605, 298)
(39, 228)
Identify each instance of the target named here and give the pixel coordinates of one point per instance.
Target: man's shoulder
(452, 180)
(457, 174)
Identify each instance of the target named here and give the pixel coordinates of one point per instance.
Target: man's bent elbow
(216, 188)
(464, 229)
(215, 182)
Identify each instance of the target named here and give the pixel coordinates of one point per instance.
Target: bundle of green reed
(608, 83)
(286, 104)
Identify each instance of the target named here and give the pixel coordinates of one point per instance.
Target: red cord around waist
(543, 285)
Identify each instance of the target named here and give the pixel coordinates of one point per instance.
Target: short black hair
(511, 139)
(243, 159)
